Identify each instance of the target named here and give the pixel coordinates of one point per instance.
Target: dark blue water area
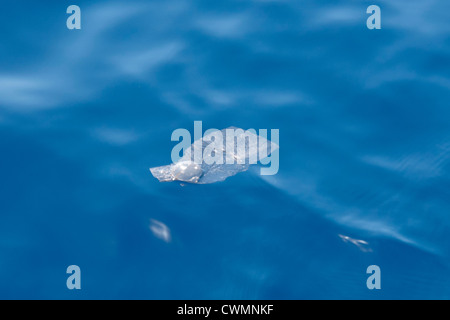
(364, 174)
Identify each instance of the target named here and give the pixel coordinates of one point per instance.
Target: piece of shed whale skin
(186, 170)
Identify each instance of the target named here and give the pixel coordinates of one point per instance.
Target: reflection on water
(364, 120)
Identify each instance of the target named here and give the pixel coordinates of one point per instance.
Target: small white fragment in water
(160, 230)
(361, 244)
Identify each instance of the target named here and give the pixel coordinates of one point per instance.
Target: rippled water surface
(364, 149)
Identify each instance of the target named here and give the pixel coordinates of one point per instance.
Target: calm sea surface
(364, 120)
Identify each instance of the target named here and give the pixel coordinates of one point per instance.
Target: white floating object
(160, 230)
(361, 244)
(233, 159)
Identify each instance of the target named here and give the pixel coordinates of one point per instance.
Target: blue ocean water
(364, 149)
